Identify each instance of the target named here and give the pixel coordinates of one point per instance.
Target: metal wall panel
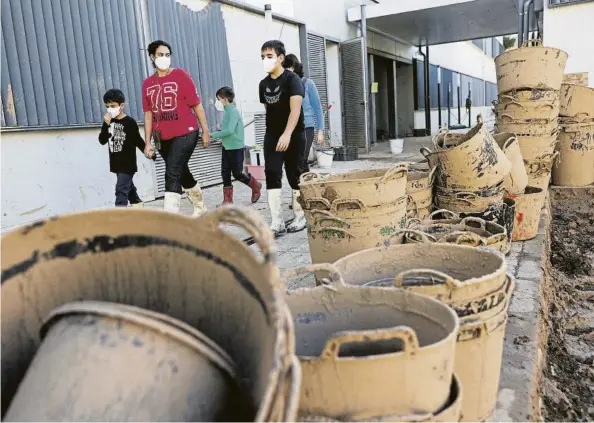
(355, 106)
(60, 56)
(553, 3)
(316, 51)
(260, 128)
(199, 44)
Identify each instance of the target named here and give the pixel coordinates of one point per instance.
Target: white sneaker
(299, 223)
(197, 200)
(275, 204)
(172, 202)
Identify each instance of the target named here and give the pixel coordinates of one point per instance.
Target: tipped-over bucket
(528, 208)
(109, 362)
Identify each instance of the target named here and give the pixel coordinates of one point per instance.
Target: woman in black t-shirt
(282, 93)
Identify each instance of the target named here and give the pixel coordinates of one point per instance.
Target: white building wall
(46, 173)
(334, 96)
(464, 57)
(571, 29)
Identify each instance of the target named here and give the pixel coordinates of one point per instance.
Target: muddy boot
(275, 204)
(138, 205)
(292, 198)
(227, 196)
(195, 197)
(256, 187)
(299, 223)
(172, 202)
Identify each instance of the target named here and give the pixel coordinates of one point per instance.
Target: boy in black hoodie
(121, 133)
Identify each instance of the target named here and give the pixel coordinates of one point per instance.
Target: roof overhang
(430, 22)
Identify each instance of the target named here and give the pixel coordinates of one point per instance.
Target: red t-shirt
(171, 99)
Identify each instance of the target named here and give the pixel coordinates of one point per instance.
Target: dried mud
(568, 382)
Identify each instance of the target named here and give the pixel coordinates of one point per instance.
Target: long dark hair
(291, 61)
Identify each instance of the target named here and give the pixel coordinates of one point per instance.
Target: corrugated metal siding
(553, 3)
(199, 44)
(260, 128)
(316, 52)
(353, 86)
(60, 56)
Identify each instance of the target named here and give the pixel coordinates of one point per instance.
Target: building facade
(60, 57)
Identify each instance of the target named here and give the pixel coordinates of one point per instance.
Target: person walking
(173, 115)
(312, 107)
(232, 134)
(282, 94)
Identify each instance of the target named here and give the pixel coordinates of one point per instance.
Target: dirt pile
(568, 384)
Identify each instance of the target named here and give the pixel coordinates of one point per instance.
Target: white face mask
(162, 62)
(219, 106)
(113, 111)
(268, 64)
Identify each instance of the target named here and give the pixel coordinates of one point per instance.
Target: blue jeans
(126, 191)
(177, 152)
(232, 164)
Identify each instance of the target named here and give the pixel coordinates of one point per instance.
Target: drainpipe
(366, 74)
(439, 97)
(526, 11)
(520, 7)
(427, 93)
(268, 20)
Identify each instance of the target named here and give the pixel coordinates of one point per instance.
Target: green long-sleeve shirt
(232, 129)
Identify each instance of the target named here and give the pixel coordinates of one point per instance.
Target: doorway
(385, 99)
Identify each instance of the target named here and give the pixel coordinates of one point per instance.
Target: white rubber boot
(172, 202)
(299, 223)
(195, 197)
(275, 204)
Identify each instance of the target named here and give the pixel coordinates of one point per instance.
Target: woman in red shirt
(172, 110)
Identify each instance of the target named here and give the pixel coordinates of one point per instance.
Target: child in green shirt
(232, 135)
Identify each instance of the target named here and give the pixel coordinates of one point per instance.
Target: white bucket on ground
(325, 156)
(397, 145)
(256, 157)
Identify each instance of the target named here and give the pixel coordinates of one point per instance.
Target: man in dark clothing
(120, 132)
(282, 93)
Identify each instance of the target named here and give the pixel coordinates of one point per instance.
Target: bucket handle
(334, 229)
(445, 211)
(464, 238)
(424, 237)
(315, 200)
(309, 177)
(335, 276)
(335, 220)
(511, 120)
(323, 213)
(348, 202)
(508, 142)
(471, 221)
(535, 42)
(412, 222)
(450, 282)
(410, 200)
(252, 223)
(397, 169)
(404, 333)
(425, 152)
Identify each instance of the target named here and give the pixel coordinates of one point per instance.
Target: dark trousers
(126, 191)
(177, 152)
(232, 164)
(293, 160)
(309, 136)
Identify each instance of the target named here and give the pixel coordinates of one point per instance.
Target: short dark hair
(276, 45)
(291, 61)
(114, 95)
(227, 93)
(152, 47)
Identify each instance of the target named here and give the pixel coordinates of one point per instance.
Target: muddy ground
(568, 382)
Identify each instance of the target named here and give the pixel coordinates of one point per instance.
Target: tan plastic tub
(372, 187)
(533, 147)
(517, 179)
(536, 127)
(539, 171)
(466, 202)
(164, 263)
(103, 359)
(530, 104)
(577, 102)
(580, 78)
(373, 352)
(530, 67)
(575, 164)
(528, 208)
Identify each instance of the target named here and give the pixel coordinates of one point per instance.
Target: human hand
(321, 137)
(205, 139)
(149, 152)
(107, 118)
(283, 143)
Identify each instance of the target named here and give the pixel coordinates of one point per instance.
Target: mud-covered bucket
(535, 126)
(530, 67)
(373, 187)
(575, 164)
(420, 193)
(466, 202)
(539, 170)
(473, 162)
(517, 179)
(529, 104)
(577, 102)
(503, 214)
(528, 208)
(533, 147)
(193, 270)
(374, 352)
(110, 362)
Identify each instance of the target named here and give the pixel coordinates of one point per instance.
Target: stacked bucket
(419, 189)
(529, 81)
(137, 315)
(574, 165)
(353, 211)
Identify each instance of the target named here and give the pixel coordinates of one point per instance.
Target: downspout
(426, 89)
(526, 10)
(520, 5)
(366, 75)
